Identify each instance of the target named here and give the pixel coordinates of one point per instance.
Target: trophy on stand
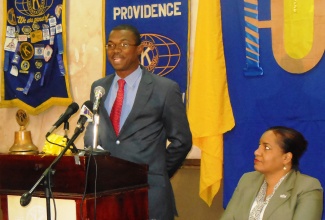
(23, 139)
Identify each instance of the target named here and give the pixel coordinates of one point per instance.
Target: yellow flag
(209, 109)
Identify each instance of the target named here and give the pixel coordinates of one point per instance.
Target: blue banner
(35, 76)
(164, 32)
(275, 68)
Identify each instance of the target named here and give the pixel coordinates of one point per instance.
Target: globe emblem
(160, 54)
(33, 7)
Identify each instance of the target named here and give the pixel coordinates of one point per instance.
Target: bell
(23, 143)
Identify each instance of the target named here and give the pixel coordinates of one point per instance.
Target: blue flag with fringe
(34, 76)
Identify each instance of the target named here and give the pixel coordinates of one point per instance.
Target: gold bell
(23, 143)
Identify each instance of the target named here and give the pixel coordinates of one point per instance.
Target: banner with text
(164, 32)
(274, 53)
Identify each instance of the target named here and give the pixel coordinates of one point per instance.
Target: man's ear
(140, 49)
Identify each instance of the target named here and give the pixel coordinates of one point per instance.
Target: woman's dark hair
(131, 28)
(291, 141)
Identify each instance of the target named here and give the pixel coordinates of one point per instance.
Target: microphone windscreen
(73, 107)
(99, 91)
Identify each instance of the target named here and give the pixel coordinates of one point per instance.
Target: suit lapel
(252, 193)
(281, 195)
(103, 112)
(144, 90)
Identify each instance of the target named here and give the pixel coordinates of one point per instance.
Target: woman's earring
(284, 168)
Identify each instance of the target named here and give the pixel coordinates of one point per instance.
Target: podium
(101, 185)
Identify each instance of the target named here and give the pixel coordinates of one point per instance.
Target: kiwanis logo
(160, 54)
(33, 7)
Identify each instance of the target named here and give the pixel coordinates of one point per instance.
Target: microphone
(86, 115)
(25, 199)
(99, 92)
(72, 108)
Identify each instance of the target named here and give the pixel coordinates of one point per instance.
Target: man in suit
(152, 114)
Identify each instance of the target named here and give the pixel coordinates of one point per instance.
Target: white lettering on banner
(147, 11)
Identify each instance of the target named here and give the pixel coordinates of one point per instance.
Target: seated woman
(277, 190)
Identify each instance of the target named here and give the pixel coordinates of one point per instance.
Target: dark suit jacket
(158, 114)
(299, 197)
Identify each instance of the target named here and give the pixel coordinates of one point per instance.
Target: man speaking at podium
(139, 113)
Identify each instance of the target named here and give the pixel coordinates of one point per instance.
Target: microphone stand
(46, 177)
(73, 149)
(94, 150)
(96, 122)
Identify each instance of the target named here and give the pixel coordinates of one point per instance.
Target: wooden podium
(115, 188)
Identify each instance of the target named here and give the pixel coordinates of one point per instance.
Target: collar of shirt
(130, 79)
(130, 89)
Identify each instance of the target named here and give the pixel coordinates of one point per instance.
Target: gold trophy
(23, 139)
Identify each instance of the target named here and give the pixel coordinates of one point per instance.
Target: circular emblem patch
(26, 50)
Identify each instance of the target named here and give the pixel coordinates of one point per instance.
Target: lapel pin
(283, 196)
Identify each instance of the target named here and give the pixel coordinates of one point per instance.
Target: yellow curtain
(209, 109)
